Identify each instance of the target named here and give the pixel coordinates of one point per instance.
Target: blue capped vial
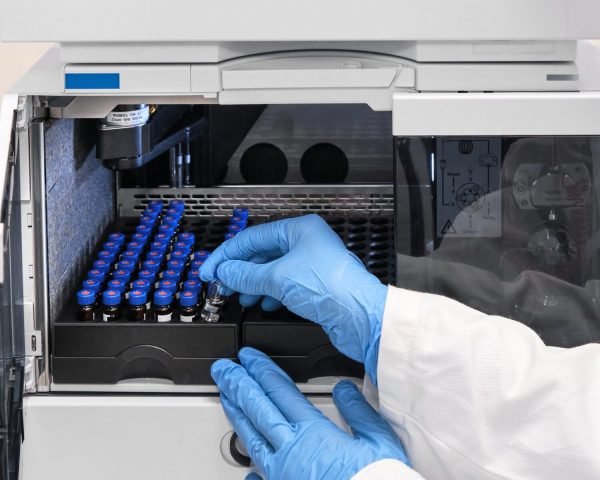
(177, 265)
(234, 229)
(93, 285)
(127, 265)
(108, 257)
(179, 255)
(144, 229)
(193, 274)
(201, 255)
(178, 205)
(168, 285)
(112, 247)
(111, 300)
(188, 306)
(173, 275)
(136, 247)
(141, 284)
(116, 285)
(162, 237)
(168, 230)
(188, 238)
(140, 237)
(159, 246)
(96, 274)
(155, 256)
(147, 220)
(151, 266)
(102, 265)
(241, 212)
(117, 237)
(196, 264)
(239, 221)
(86, 300)
(156, 205)
(137, 305)
(193, 286)
(147, 275)
(122, 275)
(184, 247)
(131, 256)
(229, 235)
(163, 305)
(171, 220)
(154, 214)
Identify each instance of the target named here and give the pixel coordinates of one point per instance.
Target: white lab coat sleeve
(477, 397)
(387, 469)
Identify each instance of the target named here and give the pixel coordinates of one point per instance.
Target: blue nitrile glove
(286, 436)
(303, 264)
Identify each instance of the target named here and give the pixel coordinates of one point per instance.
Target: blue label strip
(92, 81)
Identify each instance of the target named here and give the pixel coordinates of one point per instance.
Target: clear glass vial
(215, 301)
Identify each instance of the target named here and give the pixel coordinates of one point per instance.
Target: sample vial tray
(108, 352)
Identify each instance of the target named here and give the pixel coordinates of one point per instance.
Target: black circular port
(263, 163)
(357, 237)
(238, 456)
(324, 163)
(380, 237)
(380, 229)
(378, 255)
(465, 147)
(334, 220)
(379, 246)
(357, 229)
(338, 229)
(355, 246)
(380, 221)
(357, 221)
(377, 264)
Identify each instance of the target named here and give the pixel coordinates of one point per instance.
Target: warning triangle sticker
(448, 228)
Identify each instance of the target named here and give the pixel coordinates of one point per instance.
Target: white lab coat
(478, 397)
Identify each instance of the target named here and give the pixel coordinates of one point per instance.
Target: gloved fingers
(249, 278)
(256, 445)
(270, 304)
(253, 476)
(268, 239)
(364, 421)
(243, 391)
(278, 386)
(249, 300)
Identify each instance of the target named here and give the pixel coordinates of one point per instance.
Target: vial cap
(86, 297)
(111, 297)
(101, 265)
(192, 286)
(155, 256)
(140, 237)
(162, 237)
(171, 275)
(167, 230)
(126, 265)
(91, 284)
(233, 228)
(230, 235)
(163, 297)
(184, 247)
(188, 298)
(186, 237)
(241, 212)
(106, 256)
(122, 275)
(137, 297)
(169, 285)
(159, 246)
(171, 221)
(196, 264)
(178, 205)
(111, 246)
(201, 255)
(131, 255)
(151, 266)
(151, 213)
(145, 229)
(176, 264)
(96, 274)
(116, 285)
(134, 246)
(147, 275)
(179, 255)
(117, 237)
(155, 205)
(193, 274)
(147, 220)
(141, 284)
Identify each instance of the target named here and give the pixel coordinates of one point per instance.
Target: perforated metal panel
(266, 200)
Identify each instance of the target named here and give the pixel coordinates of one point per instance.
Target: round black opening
(377, 264)
(334, 220)
(357, 237)
(357, 229)
(379, 229)
(378, 255)
(355, 246)
(378, 246)
(357, 221)
(380, 221)
(324, 163)
(380, 237)
(263, 164)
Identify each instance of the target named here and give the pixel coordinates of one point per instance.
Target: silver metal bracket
(33, 343)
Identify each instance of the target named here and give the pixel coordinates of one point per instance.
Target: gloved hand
(303, 264)
(286, 436)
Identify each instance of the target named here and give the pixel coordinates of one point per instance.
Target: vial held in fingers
(215, 301)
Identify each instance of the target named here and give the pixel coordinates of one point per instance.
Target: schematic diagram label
(468, 173)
